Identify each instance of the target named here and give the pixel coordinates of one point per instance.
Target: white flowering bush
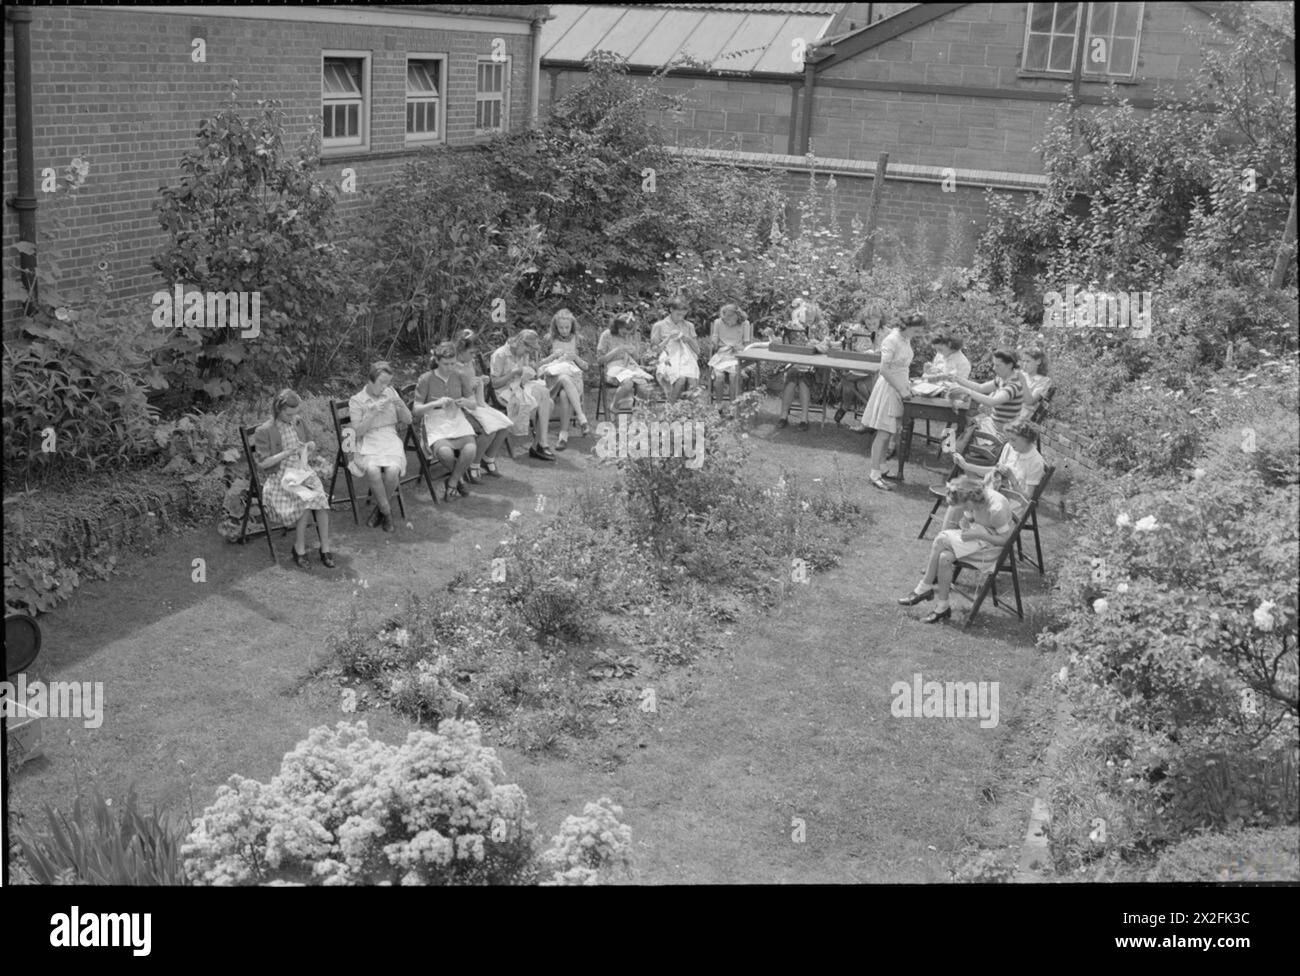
(348, 810)
(587, 845)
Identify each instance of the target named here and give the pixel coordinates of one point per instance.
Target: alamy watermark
(1088, 309)
(178, 309)
(651, 438)
(58, 699)
(946, 699)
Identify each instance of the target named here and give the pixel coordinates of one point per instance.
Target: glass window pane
(1040, 20)
(433, 117)
(1126, 19)
(1062, 51)
(328, 120)
(496, 115)
(1036, 56)
(353, 123)
(1121, 57)
(1066, 17)
(1099, 22)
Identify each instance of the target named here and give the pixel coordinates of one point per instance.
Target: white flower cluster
(345, 809)
(586, 844)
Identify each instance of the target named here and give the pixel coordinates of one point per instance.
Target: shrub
(345, 809)
(103, 844)
(1247, 855)
(588, 844)
(246, 216)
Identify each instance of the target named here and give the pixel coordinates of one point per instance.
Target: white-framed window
(425, 82)
(1112, 43)
(345, 100)
(491, 94)
(1109, 33)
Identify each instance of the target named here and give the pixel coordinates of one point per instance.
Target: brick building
(124, 88)
(956, 91)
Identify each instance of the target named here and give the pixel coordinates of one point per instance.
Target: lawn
(786, 731)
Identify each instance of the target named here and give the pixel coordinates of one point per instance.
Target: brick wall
(119, 88)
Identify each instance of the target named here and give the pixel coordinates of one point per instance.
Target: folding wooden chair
(253, 496)
(340, 415)
(1006, 562)
(491, 398)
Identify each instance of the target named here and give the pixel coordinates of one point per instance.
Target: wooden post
(868, 253)
(1286, 251)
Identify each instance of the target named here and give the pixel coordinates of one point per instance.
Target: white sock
(921, 587)
(940, 605)
(873, 475)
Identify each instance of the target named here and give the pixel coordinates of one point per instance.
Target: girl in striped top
(1004, 394)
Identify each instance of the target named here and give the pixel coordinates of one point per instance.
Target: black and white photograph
(644, 446)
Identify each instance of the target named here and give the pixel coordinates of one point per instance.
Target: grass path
(791, 720)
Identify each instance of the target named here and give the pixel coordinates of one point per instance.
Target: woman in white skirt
(618, 351)
(885, 407)
(441, 399)
(514, 377)
(986, 523)
(563, 370)
(284, 443)
(731, 333)
(491, 425)
(380, 455)
(673, 340)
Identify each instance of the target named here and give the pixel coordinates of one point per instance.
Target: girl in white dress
(673, 340)
(731, 333)
(514, 377)
(565, 367)
(885, 407)
(380, 456)
(441, 399)
(491, 425)
(619, 352)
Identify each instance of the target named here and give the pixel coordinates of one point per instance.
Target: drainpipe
(805, 117)
(535, 81)
(25, 200)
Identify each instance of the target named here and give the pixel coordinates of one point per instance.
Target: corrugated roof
(731, 36)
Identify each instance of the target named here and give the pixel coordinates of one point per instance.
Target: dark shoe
(447, 496)
(541, 453)
(387, 522)
(460, 487)
(891, 477)
(490, 468)
(586, 430)
(327, 559)
(803, 425)
(375, 518)
(937, 615)
(562, 443)
(839, 414)
(473, 476)
(300, 559)
(912, 599)
(783, 422)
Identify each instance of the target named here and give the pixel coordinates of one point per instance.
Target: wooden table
(759, 353)
(926, 408)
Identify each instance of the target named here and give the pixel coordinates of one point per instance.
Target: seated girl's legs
(445, 454)
(573, 396)
(490, 444)
(464, 462)
(542, 431)
(566, 411)
(943, 579)
(848, 393)
(787, 395)
(642, 389)
(390, 483)
(951, 518)
(323, 528)
(300, 532)
(376, 478)
(623, 395)
(804, 396)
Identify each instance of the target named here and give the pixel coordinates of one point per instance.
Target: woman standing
(885, 408)
(284, 443)
(441, 399)
(492, 426)
(380, 454)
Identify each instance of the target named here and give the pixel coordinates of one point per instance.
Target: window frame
(440, 100)
(506, 66)
(336, 145)
(1081, 36)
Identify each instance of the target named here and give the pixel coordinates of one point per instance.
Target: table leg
(904, 445)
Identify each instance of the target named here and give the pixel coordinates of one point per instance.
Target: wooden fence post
(868, 253)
